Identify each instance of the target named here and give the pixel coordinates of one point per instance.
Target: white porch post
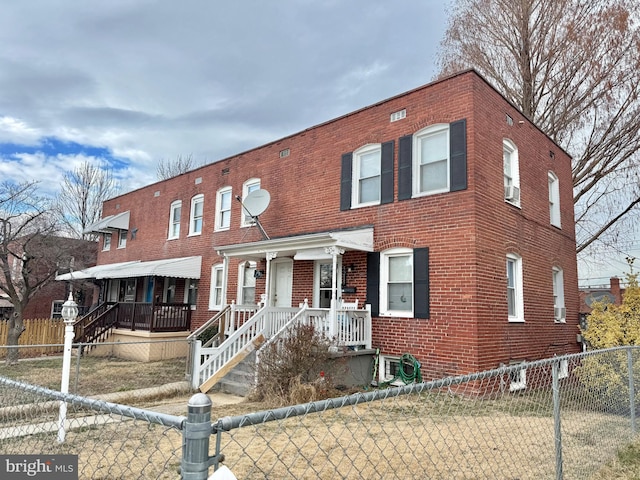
(225, 278)
(334, 252)
(267, 282)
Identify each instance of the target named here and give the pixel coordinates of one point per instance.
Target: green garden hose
(413, 375)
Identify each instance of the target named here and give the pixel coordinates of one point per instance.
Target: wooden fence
(39, 331)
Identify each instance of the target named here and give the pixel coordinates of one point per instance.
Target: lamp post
(69, 315)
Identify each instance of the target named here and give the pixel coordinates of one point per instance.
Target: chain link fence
(561, 418)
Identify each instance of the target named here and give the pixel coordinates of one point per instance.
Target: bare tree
(30, 253)
(79, 203)
(172, 168)
(573, 68)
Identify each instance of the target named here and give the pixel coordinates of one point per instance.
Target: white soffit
(304, 246)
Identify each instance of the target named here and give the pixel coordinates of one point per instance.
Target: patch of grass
(626, 465)
(97, 375)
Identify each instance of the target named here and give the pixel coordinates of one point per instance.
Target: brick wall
(469, 232)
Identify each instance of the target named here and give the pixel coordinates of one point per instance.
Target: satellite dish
(256, 202)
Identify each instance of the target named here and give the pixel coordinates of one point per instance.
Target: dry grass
(97, 375)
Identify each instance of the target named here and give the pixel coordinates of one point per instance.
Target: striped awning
(184, 267)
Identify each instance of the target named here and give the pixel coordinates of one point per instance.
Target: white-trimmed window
(174, 219)
(223, 209)
(248, 187)
(215, 294)
(191, 292)
(389, 368)
(366, 175)
(396, 282)
(247, 283)
(431, 160)
(511, 172)
(122, 238)
(197, 210)
(106, 241)
(554, 199)
(515, 304)
(559, 311)
(518, 380)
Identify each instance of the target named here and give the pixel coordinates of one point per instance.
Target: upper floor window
(366, 175)
(223, 209)
(396, 282)
(215, 294)
(554, 200)
(122, 238)
(106, 241)
(197, 209)
(174, 219)
(431, 160)
(515, 304)
(511, 172)
(559, 311)
(247, 283)
(248, 187)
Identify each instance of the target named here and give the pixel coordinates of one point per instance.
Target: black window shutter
(373, 282)
(405, 152)
(458, 155)
(345, 181)
(421, 282)
(386, 180)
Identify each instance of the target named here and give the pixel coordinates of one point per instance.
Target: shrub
(297, 368)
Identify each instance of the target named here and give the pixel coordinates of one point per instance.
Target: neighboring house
(71, 254)
(588, 295)
(443, 209)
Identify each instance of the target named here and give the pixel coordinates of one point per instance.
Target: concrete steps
(241, 379)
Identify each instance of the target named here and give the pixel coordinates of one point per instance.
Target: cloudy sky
(131, 82)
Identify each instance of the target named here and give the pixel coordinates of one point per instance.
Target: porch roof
(184, 267)
(119, 221)
(303, 247)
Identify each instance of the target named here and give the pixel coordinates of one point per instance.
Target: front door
(282, 282)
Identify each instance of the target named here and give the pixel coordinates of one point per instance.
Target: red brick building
(444, 208)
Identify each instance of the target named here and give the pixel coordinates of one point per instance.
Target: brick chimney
(615, 289)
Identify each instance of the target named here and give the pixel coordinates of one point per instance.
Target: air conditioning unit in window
(559, 313)
(512, 193)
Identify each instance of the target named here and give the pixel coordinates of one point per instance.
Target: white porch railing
(351, 328)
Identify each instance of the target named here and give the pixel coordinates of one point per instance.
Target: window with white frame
(106, 241)
(174, 219)
(223, 209)
(389, 368)
(518, 380)
(511, 172)
(431, 160)
(515, 304)
(247, 283)
(122, 238)
(215, 294)
(366, 175)
(197, 210)
(191, 292)
(559, 311)
(248, 187)
(396, 282)
(554, 199)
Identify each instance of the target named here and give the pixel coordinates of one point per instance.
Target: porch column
(225, 278)
(267, 281)
(334, 252)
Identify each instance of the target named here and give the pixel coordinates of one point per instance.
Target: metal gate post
(196, 434)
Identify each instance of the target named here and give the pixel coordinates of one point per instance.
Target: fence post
(556, 418)
(632, 393)
(196, 434)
